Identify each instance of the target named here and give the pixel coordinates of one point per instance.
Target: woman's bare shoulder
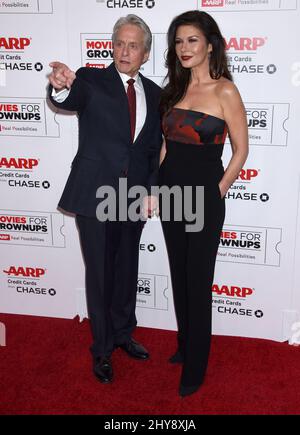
(226, 88)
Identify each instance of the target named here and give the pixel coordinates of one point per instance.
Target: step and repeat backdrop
(257, 278)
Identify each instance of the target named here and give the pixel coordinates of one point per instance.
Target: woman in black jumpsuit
(199, 105)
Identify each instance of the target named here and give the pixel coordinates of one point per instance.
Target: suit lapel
(149, 108)
(121, 114)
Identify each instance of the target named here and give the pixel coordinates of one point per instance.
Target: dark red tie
(132, 105)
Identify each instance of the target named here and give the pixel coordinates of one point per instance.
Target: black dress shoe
(134, 349)
(187, 391)
(177, 358)
(103, 369)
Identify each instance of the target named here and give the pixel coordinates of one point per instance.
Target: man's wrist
(61, 95)
(58, 90)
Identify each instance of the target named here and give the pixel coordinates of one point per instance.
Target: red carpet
(45, 368)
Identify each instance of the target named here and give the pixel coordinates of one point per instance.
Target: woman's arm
(236, 120)
(163, 151)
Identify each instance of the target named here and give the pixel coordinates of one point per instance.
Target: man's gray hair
(136, 21)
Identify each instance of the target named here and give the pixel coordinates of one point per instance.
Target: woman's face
(191, 46)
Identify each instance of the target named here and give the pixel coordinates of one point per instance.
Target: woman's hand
(223, 189)
(150, 206)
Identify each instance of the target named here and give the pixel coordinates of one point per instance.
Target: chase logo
(150, 4)
(114, 4)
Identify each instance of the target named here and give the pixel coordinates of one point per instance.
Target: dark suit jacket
(106, 151)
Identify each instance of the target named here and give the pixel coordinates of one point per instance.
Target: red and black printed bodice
(190, 126)
(194, 143)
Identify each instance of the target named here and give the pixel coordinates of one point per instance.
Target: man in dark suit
(119, 139)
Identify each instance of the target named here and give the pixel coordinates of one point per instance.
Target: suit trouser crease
(110, 251)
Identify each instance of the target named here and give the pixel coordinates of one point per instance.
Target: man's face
(129, 49)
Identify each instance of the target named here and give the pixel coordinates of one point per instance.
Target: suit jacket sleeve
(79, 93)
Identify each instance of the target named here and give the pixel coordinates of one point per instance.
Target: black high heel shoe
(177, 358)
(187, 391)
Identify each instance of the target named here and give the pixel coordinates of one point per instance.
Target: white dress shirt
(141, 106)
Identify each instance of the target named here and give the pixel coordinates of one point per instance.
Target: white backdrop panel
(256, 285)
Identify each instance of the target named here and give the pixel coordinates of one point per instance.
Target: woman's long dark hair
(178, 77)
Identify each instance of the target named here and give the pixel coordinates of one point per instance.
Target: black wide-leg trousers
(192, 255)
